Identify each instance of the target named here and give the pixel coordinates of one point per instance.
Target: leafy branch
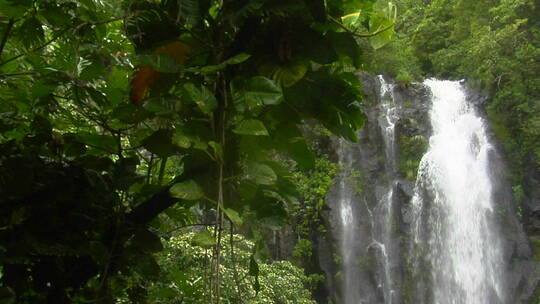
(53, 39)
(361, 35)
(6, 34)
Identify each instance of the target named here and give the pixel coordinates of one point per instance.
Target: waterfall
(436, 240)
(375, 241)
(456, 252)
(383, 236)
(348, 222)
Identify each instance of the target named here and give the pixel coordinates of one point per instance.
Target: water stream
(456, 249)
(454, 253)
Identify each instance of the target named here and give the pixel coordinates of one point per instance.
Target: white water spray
(455, 247)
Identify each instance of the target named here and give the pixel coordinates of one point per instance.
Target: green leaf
(31, 32)
(251, 127)
(286, 75)
(257, 91)
(289, 138)
(261, 174)
(253, 266)
(160, 143)
(218, 149)
(161, 62)
(166, 293)
(201, 96)
(14, 8)
(212, 68)
(237, 59)
(102, 142)
(377, 22)
(204, 239)
(188, 190)
(233, 216)
(118, 79)
(181, 140)
(130, 114)
(345, 45)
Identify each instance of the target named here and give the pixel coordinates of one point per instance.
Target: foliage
(313, 188)
(186, 279)
(412, 148)
(495, 43)
(120, 119)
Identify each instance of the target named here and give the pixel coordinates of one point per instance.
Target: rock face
(381, 267)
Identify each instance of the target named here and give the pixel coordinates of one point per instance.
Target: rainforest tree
(119, 119)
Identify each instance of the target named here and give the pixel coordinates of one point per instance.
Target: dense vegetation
(495, 45)
(148, 147)
(127, 125)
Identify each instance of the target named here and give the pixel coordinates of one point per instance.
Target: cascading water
(456, 252)
(439, 240)
(348, 227)
(382, 232)
(378, 237)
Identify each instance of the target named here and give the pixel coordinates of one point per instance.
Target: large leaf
(201, 96)
(14, 8)
(187, 190)
(204, 239)
(379, 22)
(257, 91)
(251, 127)
(163, 63)
(212, 68)
(102, 142)
(160, 143)
(345, 45)
(31, 32)
(285, 74)
(289, 139)
(261, 174)
(233, 216)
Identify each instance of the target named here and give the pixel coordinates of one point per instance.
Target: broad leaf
(212, 68)
(164, 63)
(261, 174)
(101, 142)
(160, 143)
(345, 45)
(204, 239)
(378, 22)
(237, 59)
(187, 190)
(233, 216)
(251, 127)
(257, 91)
(201, 96)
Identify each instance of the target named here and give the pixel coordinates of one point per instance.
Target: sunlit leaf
(251, 127)
(257, 91)
(187, 190)
(261, 173)
(201, 96)
(204, 239)
(233, 216)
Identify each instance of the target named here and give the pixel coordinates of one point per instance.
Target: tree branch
(6, 35)
(62, 32)
(366, 35)
(18, 74)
